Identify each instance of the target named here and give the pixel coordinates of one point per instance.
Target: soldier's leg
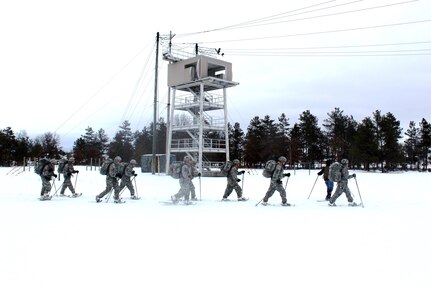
(117, 189)
(348, 194)
(338, 192)
(238, 190)
(270, 192)
(108, 188)
(282, 192)
(130, 187)
(227, 191)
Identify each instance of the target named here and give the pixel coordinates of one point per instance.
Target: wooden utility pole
(154, 165)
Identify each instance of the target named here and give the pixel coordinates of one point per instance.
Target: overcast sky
(67, 65)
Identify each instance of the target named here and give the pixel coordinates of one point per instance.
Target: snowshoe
(118, 200)
(174, 199)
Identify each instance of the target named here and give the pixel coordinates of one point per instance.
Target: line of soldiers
(117, 170)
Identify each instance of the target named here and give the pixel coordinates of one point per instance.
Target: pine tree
(365, 145)
(122, 143)
(411, 145)
(236, 142)
(252, 154)
(425, 142)
(311, 137)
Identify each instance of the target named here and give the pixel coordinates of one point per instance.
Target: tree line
(373, 143)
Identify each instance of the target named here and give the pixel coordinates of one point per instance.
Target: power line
(333, 14)
(254, 23)
(328, 47)
(321, 32)
(256, 20)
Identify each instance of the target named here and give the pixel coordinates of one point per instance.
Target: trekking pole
(286, 182)
(53, 184)
(313, 187)
(362, 203)
(121, 192)
(57, 189)
(136, 186)
(76, 179)
(259, 201)
(242, 182)
(109, 195)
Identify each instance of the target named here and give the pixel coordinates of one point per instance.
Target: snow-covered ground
(78, 242)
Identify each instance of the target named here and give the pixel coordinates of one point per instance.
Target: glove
(69, 174)
(199, 174)
(354, 175)
(54, 175)
(119, 175)
(279, 182)
(238, 180)
(135, 174)
(287, 174)
(241, 172)
(76, 171)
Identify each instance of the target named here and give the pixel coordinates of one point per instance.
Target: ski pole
(259, 201)
(76, 178)
(109, 195)
(286, 182)
(313, 187)
(242, 182)
(121, 192)
(136, 186)
(362, 203)
(53, 184)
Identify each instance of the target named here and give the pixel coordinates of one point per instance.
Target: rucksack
(123, 170)
(335, 172)
(40, 165)
(269, 168)
(225, 169)
(175, 170)
(61, 164)
(105, 166)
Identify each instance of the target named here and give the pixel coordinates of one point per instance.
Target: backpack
(335, 172)
(105, 166)
(269, 168)
(61, 164)
(175, 170)
(40, 165)
(225, 169)
(123, 170)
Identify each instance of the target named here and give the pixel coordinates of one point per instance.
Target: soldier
(128, 172)
(232, 182)
(186, 184)
(46, 175)
(68, 170)
(342, 185)
(329, 183)
(112, 177)
(276, 183)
